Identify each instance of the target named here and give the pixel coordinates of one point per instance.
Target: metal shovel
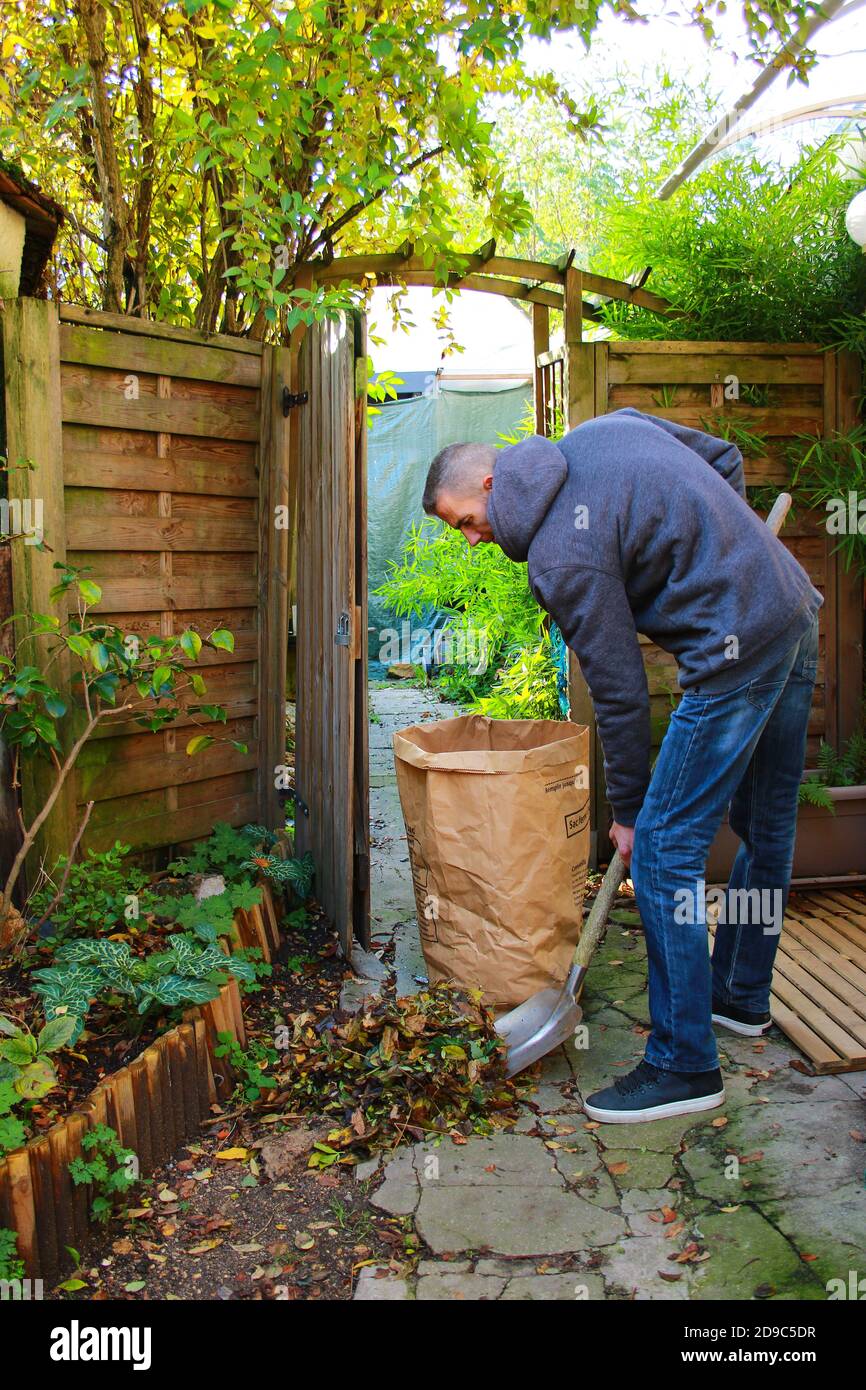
(535, 1028)
(550, 1017)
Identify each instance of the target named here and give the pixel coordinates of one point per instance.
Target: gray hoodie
(635, 524)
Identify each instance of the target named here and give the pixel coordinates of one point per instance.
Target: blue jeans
(744, 749)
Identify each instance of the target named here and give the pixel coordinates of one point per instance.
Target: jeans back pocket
(763, 695)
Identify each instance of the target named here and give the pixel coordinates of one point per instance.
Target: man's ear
(487, 482)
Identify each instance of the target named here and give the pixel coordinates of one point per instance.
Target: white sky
(668, 40)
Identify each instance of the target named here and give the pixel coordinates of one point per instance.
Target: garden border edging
(155, 1103)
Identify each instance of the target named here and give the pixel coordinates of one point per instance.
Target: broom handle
(595, 923)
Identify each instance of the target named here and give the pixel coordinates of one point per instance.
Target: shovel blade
(535, 1028)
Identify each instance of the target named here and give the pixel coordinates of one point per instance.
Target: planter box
(827, 846)
(156, 1104)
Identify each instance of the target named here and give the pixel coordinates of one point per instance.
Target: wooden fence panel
(161, 457)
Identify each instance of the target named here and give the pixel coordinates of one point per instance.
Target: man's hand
(623, 837)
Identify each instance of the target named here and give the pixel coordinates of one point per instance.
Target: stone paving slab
(513, 1220)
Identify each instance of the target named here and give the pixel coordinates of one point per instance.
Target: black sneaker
(650, 1094)
(748, 1024)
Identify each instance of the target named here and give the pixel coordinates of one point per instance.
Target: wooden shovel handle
(595, 923)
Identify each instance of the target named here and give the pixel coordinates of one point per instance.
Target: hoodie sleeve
(592, 611)
(721, 454)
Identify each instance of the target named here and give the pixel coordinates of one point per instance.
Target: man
(636, 524)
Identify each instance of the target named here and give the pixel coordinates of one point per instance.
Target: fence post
(540, 344)
(31, 357)
(845, 414)
(580, 367)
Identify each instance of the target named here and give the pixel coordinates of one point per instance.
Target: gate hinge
(293, 398)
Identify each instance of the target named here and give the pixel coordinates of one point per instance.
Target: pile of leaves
(420, 1065)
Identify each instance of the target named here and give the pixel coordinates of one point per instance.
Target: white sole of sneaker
(746, 1030)
(655, 1112)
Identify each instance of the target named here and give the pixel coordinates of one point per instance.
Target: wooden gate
(332, 760)
(775, 391)
(148, 445)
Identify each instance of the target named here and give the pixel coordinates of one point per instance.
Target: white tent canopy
(495, 334)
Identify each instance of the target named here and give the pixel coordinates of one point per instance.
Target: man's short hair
(456, 468)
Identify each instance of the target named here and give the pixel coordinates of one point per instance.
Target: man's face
(467, 512)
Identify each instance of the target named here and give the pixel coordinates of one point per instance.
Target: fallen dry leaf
(688, 1254)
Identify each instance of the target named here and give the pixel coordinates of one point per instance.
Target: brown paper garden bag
(497, 823)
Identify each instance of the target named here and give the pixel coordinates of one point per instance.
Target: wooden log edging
(156, 1104)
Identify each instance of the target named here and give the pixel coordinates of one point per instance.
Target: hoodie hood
(526, 478)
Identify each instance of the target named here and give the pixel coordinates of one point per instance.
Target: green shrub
(26, 1074)
(493, 614)
(527, 689)
(102, 894)
(845, 769)
(749, 250)
(824, 472)
(225, 851)
(211, 917)
(110, 1170)
(187, 973)
(250, 1065)
(11, 1267)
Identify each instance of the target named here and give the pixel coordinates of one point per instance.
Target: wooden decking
(819, 982)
